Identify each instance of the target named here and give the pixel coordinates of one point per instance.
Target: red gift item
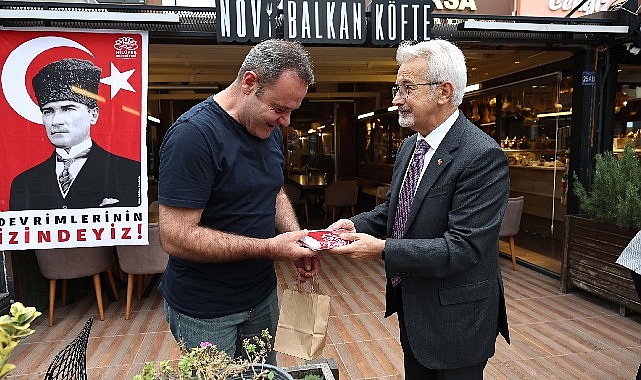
(318, 240)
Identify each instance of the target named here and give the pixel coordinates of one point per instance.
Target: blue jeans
(227, 333)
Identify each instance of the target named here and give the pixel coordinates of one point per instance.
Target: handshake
(318, 240)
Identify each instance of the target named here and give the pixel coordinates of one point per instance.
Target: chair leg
(64, 292)
(112, 283)
(52, 300)
(130, 293)
(96, 285)
(139, 281)
(513, 252)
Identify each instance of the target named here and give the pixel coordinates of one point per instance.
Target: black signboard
(340, 22)
(324, 21)
(245, 20)
(396, 21)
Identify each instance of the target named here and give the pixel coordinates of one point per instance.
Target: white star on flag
(117, 80)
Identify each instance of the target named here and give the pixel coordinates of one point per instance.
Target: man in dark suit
(441, 218)
(79, 173)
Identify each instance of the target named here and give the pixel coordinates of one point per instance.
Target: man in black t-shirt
(222, 203)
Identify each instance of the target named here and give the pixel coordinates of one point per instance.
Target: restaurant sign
(560, 8)
(245, 20)
(323, 22)
(393, 22)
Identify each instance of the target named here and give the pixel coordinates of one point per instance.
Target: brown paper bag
(302, 325)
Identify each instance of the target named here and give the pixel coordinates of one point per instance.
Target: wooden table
(312, 184)
(308, 181)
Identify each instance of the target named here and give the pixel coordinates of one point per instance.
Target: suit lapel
(440, 160)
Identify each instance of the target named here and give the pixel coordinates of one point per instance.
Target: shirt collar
(75, 150)
(435, 137)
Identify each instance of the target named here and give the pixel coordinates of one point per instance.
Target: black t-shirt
(209, 161)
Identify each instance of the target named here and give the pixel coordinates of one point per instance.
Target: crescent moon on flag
(14, 72)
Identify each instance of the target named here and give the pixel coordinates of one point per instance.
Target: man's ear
(444, 92)
(249, 82)
(94, 113)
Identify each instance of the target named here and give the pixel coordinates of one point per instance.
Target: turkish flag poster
(73, 146)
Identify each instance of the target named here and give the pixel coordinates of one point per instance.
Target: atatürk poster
(72, 147)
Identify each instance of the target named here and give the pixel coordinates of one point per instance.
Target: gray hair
(270, 58)
(445, 63)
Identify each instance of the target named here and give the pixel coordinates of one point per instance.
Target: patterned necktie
(65, 177)
(406, 195)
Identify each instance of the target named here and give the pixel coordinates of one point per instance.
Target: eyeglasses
(405, 89)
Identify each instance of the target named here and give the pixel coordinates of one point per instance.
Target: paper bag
(302, 325)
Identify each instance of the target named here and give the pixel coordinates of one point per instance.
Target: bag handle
(300, 286)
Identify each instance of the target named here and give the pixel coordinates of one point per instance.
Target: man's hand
(342, 223)
(363, 246)
(307, 267)
(286, 246)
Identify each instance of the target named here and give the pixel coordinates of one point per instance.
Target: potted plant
(207, 362)
(612, 207)
(13, 328)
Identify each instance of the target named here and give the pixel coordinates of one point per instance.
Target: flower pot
(320, 369)
(590, 251)
(279, 373)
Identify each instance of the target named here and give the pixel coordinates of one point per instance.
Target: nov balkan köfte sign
(396, 21)
(322, 21)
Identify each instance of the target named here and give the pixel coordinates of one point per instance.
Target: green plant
(13, 328)
(206, 362)
(615, 196)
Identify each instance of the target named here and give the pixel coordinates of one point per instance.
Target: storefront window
(534, 117)
(380, 136)
(531, 122)
(627, 117)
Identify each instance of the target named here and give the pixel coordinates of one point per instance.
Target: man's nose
(57, 117)
(285, 119)
(398, 99)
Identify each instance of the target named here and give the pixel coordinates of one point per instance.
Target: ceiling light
(472, 87)
(362, 116)
(563, 113)
(541, 27)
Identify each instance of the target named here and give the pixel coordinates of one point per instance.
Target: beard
(406, 120)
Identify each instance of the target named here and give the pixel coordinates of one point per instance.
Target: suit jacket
(104, 179)
(451, 283)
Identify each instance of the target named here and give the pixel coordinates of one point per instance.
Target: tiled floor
(554, 335)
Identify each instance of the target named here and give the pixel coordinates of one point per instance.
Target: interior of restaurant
(348, 131)
(345, 130)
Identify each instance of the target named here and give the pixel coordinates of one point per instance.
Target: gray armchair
(511, 223)
(69, 263)
(140, 260)
(340, 195)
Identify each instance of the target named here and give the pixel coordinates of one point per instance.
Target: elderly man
(441, 218)
(79, 173)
